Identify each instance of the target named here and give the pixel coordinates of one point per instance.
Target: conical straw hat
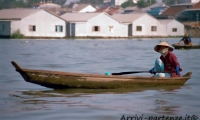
(163, 44)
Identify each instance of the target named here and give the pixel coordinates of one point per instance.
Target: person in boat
(186, 39)
(167, 65)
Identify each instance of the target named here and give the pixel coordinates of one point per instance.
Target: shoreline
(73, 38)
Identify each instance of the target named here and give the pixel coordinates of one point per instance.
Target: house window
(110, 28)
(32, 28)
(193, 16)
(174, 29)
(153, 28)
(2, 27)
(138, 28)
(96, 28)
(59, 28)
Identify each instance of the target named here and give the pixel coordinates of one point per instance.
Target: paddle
(123, 73)
(132, 72)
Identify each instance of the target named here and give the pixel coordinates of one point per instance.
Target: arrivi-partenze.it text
(163, 117)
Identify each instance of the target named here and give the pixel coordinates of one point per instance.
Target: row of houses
(42, 23)
(181, 12)
(158, 10)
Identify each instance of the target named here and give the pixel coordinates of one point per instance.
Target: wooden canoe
(64, 80)
(182, 46)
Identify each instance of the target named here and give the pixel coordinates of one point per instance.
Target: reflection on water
(52, 99)
(22, 100)
(167, 110)
(163, 108)
(71, 92)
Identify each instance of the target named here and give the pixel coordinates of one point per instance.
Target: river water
(20, 100)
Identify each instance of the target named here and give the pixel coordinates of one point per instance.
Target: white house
(83, 8)
(118, 2)
(31, 23)
(140, 24)
(144, 25)
(172, 27)
(94, 25)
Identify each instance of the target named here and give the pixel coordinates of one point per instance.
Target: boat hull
(64, 80)
(180, 46)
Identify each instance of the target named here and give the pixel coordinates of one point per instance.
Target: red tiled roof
(192, 24)
(109, 10)
(112, 10)
(79, 7)
(9, 14)
(173, 11)
(102, 9)
(196, 6)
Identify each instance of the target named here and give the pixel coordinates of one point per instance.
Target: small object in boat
(107, 73)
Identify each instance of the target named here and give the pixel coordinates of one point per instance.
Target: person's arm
(181, 40)
(175, 63)
(152, 71)
(190, 41)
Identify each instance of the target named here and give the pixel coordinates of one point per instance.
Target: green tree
(20, 3)
(59, 2)
(8, 3)
(128, 3)
(31, 2)
(142, 3)
(17, 34)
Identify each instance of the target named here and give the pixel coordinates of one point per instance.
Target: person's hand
(152, 71)
(177, 70)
